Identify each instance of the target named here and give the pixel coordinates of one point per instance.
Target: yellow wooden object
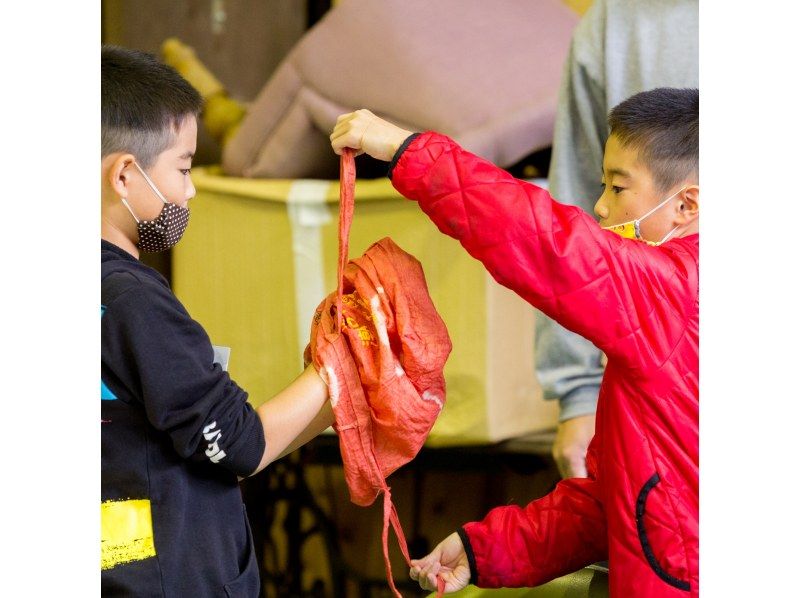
(221, 113)
(222, 116)
(237, 272)
(183, 59)
(579, 6)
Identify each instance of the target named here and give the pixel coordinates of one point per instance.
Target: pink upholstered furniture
(485, 72)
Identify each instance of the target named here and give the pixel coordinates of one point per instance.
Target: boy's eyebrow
(186, 156)
(619, 171)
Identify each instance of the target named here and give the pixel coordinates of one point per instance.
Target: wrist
(467, 545)
(397, 140)
(399, 151)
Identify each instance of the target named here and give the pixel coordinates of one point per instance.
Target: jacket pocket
(248, 583)
(647, 549)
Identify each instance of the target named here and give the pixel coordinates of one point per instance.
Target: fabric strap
(347, 189)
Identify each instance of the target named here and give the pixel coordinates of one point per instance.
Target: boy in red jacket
(630, 285)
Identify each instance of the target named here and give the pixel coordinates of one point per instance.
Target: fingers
(429, 570)
(351, 115)
(349, 131)
(417, 565)
(346, 136)
(342, 137)
(560, 463)
(343, 124)
(413, 573)
(570, 466)
(427, 577)
(421, 569)
(572, 440)
(576, 468)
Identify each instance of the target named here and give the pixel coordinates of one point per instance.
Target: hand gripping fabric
(381, 347)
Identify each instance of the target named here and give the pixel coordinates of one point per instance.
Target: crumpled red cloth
(381, 346)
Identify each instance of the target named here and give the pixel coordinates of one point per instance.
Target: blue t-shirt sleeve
(165, 360)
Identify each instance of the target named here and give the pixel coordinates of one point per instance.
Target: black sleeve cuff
(400, 151)
(253, 450)
(242, 437)
(473, 569)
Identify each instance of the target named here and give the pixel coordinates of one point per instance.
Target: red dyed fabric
(381, 346)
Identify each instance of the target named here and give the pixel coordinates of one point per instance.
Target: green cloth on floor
(586, 583)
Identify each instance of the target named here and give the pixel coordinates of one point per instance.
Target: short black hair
(144, 103)
(663, 125)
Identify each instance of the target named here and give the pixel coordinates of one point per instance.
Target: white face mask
(631, 229)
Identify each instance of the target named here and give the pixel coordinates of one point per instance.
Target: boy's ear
(119, 173)
(688, 208)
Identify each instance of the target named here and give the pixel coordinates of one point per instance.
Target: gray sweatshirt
(619, 48)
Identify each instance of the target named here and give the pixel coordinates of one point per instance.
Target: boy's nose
(600, 209)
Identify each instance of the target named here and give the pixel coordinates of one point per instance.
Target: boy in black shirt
(177, 432)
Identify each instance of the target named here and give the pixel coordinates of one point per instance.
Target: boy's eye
(186, 171)
(617, 190)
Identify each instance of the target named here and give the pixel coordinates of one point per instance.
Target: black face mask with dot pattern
(165, 231)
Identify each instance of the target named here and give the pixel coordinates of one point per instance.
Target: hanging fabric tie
(381, 347)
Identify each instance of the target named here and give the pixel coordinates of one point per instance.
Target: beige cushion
(485, 73)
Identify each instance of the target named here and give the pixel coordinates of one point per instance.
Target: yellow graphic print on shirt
(126, 532)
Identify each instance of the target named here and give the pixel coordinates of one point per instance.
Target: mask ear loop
(638, 221)
(150, 182)
(665, 239)
(661, 204)
(127, 205)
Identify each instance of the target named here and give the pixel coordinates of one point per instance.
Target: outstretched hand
(366, 133)
(448, 561)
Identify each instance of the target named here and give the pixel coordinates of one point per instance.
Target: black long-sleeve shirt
(176, 431)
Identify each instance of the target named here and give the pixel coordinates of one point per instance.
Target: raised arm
(606, 288)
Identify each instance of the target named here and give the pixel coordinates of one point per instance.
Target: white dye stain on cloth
(380, 327)
(380, 321)
(429, 396)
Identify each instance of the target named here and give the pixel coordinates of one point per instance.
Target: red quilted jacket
(639, 304)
